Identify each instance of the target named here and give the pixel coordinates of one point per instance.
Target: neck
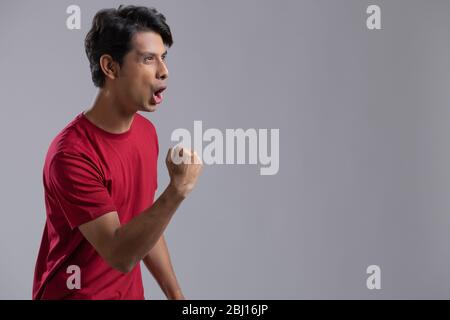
(108, 114)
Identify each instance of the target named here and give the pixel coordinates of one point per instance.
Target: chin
(149, 108)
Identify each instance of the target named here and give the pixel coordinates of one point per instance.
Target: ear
(109, 67)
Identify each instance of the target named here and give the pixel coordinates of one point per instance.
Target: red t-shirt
(89, 172)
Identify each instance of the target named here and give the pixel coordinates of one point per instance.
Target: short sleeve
(79, 188)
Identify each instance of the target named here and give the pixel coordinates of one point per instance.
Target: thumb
(168, 155)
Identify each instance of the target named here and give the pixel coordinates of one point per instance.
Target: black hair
(112, 31)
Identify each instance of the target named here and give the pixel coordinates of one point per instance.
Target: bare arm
(158, 263)
(125, 246)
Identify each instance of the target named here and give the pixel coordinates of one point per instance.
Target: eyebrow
(148, 53)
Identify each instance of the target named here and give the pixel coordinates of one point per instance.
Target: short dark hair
(112, 31)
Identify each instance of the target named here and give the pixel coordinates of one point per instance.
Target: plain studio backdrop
(363, 116)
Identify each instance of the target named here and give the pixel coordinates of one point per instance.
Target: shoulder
(71, 142)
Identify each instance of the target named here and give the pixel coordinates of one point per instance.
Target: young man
(100, 171)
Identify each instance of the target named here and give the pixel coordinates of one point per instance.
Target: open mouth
(157, 95)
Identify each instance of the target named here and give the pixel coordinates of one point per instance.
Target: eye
(149, 58)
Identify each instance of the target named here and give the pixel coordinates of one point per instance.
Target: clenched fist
(184, 168)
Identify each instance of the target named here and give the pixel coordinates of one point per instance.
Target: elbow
(118, 259)
(122, 266)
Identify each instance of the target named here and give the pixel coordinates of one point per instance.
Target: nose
(162, 72)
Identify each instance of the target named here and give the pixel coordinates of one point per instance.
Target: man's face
(143, 74)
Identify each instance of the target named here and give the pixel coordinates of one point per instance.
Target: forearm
(133, 241)
(158, 263)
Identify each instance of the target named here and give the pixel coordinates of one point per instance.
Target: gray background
(364, 143)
